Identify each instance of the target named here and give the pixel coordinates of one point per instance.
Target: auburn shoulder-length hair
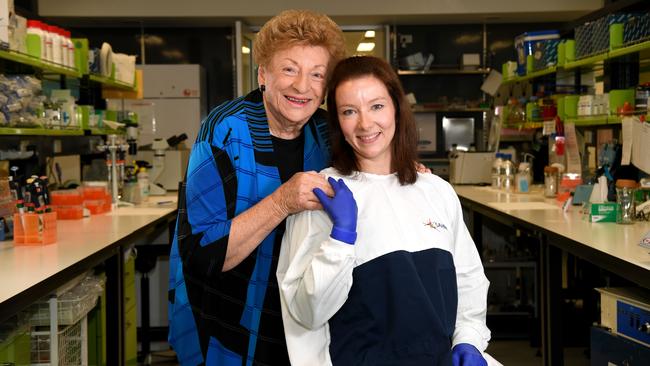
(404, 144)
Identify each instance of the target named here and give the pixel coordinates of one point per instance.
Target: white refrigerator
(174, 102)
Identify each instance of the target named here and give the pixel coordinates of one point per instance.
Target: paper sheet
(627, 125)
(641, 146)
(573, 156)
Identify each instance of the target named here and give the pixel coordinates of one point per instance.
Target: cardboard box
(6, 11)
(602, 212)
(18, 34)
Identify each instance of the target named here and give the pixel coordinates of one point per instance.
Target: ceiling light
(366, 47)
(370, 34)
(245, 50)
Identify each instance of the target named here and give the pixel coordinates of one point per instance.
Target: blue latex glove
(342, 209)
(464, 354)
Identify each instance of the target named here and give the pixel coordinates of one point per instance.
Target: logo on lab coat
(434, 225)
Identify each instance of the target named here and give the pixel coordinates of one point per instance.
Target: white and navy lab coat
(409, 289)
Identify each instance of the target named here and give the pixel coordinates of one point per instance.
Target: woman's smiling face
(366, 113)
(295, 84)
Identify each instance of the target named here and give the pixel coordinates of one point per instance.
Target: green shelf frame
(11, 131)
(104, 131)
(37, 63)
(111, 82)
(532, 75)
(630, 49)
(583, 62)
(589, 120)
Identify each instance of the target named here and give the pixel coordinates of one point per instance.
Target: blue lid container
(525, 45)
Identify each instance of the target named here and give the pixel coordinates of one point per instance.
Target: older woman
(253, 164)
(387, 274)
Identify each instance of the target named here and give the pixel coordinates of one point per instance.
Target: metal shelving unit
(445, 71)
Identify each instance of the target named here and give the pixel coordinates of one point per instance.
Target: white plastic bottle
(46, 51)
(35, 39)
(507, 174)
(57, 57)
(64, 48)
(143, 183)
(70, 49)
(496, 171)
(523, 178)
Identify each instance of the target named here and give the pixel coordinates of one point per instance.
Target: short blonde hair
(298, 27)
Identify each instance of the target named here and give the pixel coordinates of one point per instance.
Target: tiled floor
(509, 353)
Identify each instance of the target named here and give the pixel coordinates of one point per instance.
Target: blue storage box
(525, 44)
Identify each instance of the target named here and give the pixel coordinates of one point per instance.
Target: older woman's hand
(421, 168)
(297, 194)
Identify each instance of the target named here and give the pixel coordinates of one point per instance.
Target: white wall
(267, 8)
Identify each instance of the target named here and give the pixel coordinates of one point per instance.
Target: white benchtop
(22, 267)
(620, 241)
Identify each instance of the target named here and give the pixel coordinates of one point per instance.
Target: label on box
(602, 212)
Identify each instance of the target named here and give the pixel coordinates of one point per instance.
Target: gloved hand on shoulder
(342, 209)
(464, 354)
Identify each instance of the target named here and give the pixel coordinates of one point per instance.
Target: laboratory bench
(610, 246)
(31, 273)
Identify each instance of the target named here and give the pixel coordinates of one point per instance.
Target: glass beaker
(626, 205)
(550, 181)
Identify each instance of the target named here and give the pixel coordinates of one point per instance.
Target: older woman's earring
(263, 88)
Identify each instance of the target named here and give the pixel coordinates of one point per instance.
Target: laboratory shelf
(105, 131)
(9, 131)
(420, 108)
(630, 49)
(37, 63)
(111, 82)
(642, 46)
(590, 120)
(585, 61)
(446, 71)
(532, 75)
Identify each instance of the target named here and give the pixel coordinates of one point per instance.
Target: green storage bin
(15, 347)
(81, 54)
(616, 36)
(618, 97)
(33, 42)
(571, 106)
(569, 50)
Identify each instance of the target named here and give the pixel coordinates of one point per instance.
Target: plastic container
(523, 178)
(57, 56)
(550, 181)
(526, 43)
(143, 183)
(625, 203)
(46, 51)
(70, 50)
(66, 197)
(69, 212)
(496, 171)
(97, 206)
(507, 173)
(568, 184)
(34, 38)
(93, 192)
(35, 229)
